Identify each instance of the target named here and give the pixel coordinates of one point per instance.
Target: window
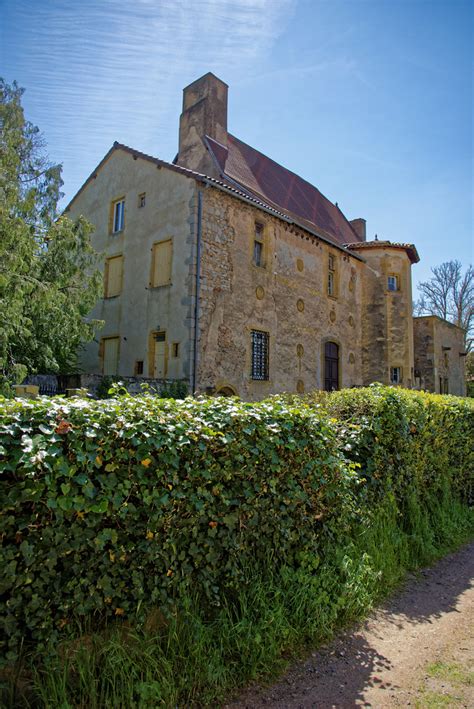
(162, 255)
(118, 215)
(392, 283)
(331, 366)
(395, 375)
(332, 291)
(260, 355)
(258, 245)
(142, 199)
(110, 355)
(113, 276)
(446, 386)
(175, 349)
(138, 367)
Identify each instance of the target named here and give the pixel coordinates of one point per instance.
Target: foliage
(176, 389)
(223, 532)
(48, 276)
(450, 295)
(470, 374)
(105, 388)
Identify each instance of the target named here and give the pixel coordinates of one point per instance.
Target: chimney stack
(204, 113)
(359, 226)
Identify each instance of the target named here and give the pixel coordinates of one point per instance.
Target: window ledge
(162, 285)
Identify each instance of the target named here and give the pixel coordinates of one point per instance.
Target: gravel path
(417, 650)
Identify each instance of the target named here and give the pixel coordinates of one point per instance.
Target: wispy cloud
(99, 71)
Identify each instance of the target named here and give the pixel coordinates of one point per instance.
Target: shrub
(124, 508)
(114, 507)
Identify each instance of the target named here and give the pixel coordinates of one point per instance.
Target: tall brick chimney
(204, 113)
(359, 226)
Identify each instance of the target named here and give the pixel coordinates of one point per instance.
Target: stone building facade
(439, 356)
(228, 271)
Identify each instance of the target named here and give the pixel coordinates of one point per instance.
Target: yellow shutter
(113, 276)
(162, 256)
(111, 353)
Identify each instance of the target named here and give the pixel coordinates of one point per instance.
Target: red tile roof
(262, 177)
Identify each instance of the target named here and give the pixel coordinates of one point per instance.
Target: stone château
(227, 270)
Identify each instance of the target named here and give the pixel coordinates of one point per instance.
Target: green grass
(451, 672)
(436, 700)
(201, 654)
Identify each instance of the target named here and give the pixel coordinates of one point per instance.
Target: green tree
(449, 293)
(49, 279)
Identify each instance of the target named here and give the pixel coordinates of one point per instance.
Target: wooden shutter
(162, 257)
(113, 276)
(111, 354)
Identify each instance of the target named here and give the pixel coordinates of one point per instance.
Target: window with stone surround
(395, 375)
(392, 282)
(113, 276)
(259, 245)
(117, 215)
(161, 261)
(332, 276)
(260, 355)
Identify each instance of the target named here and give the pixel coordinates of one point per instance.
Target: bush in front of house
(122, 509)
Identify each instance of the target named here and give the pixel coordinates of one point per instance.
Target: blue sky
(370, 100)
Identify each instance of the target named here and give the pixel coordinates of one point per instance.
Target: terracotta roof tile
(259, 175)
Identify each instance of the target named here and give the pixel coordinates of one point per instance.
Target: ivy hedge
(116, 509)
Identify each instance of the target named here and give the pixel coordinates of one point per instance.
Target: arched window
(331, 366)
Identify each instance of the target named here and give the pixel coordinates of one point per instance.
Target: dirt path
(417, 650)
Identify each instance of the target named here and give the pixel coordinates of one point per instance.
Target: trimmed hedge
(116, 508)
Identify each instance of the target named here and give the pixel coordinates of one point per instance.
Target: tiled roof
(409, 248)
(261, 177)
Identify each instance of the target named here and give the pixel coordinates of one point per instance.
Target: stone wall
(51, 384)
(387, 324)
(140, 309)
(439, 356)
(287, 298)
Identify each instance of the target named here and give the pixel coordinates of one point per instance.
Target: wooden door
(160, 356)
(331, 366)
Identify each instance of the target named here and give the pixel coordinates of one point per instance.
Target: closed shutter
(162, 257)
(114, 275)
(111, 353)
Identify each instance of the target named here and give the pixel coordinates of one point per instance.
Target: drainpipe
(196, 299)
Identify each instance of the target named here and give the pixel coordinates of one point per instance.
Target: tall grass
(202, 654)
